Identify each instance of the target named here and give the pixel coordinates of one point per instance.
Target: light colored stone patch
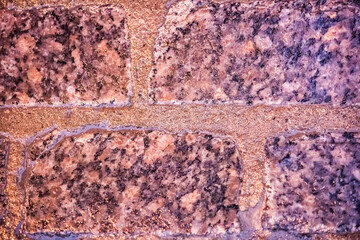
(312, 183)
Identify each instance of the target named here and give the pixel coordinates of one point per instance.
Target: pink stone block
(60, 56)
(133, 182)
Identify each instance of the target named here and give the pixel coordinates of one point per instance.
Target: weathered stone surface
(260, 52)
(4, 155)
(313, 183)
(132, 182)
(58, 56)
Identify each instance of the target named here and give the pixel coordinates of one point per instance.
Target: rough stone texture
(41, 142)
(132, 182)
(313, 183)
(4, 155)
(250, 126)
(260, 52)
(58, 56)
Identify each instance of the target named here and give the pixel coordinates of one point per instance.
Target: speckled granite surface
(4, 154)
(313, 183)
(58, 56)
(261, 52)
(53, 192)
(133, 181)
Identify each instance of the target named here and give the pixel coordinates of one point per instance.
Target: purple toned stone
(260, 52)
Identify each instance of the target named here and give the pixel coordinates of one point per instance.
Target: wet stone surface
(4, 154)
(58, 56)
(132, 182)
(313, 183)
(296, 52)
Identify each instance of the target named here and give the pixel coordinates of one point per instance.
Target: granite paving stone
(133, 182)
(258, 52)
(58, 55)
(313, 183)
